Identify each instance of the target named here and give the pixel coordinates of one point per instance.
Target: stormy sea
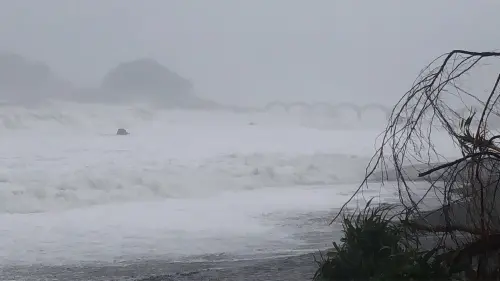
(187, 195)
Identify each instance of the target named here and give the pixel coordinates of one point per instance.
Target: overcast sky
(253, 51)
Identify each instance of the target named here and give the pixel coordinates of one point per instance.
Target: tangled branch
(438, 105)
(424, 108)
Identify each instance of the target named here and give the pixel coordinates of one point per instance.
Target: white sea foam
(45, 183)
(58, 116)
(67, 163)
(183, 183)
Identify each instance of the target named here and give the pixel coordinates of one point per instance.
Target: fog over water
(212, 170)
(252, 51)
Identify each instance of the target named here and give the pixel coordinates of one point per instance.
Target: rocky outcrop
(146, 79)
(24, 81)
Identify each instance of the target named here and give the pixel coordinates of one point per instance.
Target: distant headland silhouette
(145, 80)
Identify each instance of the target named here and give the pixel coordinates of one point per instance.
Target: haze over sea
(219, 194)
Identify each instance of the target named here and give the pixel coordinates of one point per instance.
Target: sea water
(182, 185)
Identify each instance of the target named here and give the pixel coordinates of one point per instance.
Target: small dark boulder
(122, 132)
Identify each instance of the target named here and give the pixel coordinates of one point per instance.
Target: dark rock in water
(122, 132)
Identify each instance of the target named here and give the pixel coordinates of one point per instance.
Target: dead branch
(410, 138)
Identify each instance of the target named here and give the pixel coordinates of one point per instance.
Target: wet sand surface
(298, 267)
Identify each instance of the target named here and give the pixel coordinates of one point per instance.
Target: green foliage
(377, 247)
(465, 124)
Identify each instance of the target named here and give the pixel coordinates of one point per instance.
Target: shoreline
(291, 267)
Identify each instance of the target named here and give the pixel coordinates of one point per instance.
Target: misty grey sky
(253, 51)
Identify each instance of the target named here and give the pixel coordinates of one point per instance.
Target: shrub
(376, 246)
